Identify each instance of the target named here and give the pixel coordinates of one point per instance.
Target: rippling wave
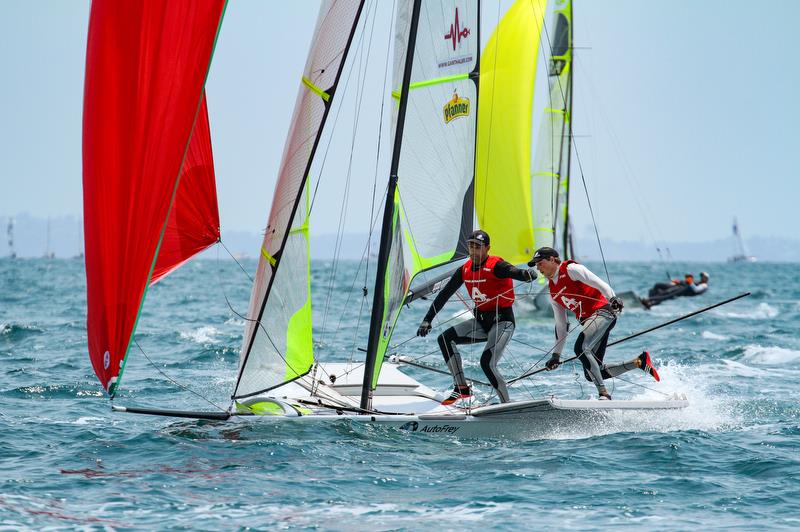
(730, 460)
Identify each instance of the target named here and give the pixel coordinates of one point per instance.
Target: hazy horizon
(673, 134)
(30, 240)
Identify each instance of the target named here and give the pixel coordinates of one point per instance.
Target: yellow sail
(503, 159)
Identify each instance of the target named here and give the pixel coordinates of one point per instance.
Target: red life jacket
(575, 296)
(488, 291)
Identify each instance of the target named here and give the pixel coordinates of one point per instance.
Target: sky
(685, 115)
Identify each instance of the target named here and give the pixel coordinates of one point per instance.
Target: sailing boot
(646, 365)
(458, 393)
(604, 395)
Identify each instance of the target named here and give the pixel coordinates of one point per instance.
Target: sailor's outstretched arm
(505, 270)
(444, 294)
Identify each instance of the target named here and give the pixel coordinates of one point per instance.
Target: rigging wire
(176, 383)
(234, 259)
(245, 318)
(627, 170)
(553, 189)
(333, 126)
(578, 160)
(373, 218)
(491, 114)
(358, 100)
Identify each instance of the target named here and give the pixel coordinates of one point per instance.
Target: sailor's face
(477, 252)
(547, 266)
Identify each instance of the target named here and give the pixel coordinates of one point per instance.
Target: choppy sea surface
(731, 460)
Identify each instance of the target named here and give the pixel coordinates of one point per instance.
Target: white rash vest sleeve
(579, 272)
(560, 315)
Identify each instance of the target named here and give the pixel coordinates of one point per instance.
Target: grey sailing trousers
(470, 332)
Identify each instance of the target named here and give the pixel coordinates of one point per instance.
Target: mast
(567, 245)
(378, 300)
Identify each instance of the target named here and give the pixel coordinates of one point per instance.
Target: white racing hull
(402, 403)
(523, 419)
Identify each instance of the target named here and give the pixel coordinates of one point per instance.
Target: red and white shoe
(457, 395)
(647, 366)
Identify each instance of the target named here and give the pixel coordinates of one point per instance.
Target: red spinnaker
(193, 223)
(146, 63)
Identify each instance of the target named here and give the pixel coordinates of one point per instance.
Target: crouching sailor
(489, 282)
(573, 287)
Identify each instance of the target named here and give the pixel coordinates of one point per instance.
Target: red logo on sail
(456, 33)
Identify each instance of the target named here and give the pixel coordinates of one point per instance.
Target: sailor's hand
(553, 363)
(531, 274)
(424, 328)
(616, 304)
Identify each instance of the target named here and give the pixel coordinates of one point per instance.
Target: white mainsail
(277, 345)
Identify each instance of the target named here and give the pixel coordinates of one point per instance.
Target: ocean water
(731, 460)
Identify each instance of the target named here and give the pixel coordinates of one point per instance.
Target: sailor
(697, 289)
(664, 291)
(489, 282)
(573, 287)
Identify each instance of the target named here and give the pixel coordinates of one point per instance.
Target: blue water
(732, 459)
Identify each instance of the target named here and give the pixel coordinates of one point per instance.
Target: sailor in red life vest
(489, 282)
(573, 287)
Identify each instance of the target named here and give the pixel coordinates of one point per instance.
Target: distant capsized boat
(740, 253)
(147, 210)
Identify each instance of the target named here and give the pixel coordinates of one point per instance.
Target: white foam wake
(762, 312)
(203, 335)
(708, 410)
(708, 335)
(773, 355)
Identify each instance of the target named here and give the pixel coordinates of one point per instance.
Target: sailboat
(12, 254)
(740, 252)
(457, 156)
(47, 253)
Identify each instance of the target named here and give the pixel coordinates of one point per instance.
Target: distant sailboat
(47, 253)
(740, 251)
(79, 255)
(10, 233)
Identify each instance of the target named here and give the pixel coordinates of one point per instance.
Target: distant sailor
(676, 288)
(489, 282)
(698, 288)
(573, 287)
